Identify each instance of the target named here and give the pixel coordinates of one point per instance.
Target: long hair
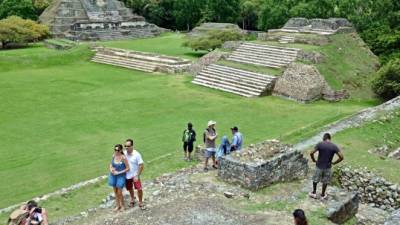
(300, 217)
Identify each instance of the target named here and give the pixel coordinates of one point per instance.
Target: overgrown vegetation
(387, 84)
(15, 30)
(214, 39)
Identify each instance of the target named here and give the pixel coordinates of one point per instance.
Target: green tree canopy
(387, 85)
(21, 8)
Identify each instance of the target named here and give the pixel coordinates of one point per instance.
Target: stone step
(232, 80)
(123, 64)
(230, 83)
(231, 75)
(134, 60)
(254, 63)
(222, 88)
(257, 62)
(263, 57)
(268, 51)
(270, 47)
(242, 73)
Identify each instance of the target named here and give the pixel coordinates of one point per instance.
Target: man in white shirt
(133, 175)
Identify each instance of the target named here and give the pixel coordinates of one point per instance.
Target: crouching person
(29, 214)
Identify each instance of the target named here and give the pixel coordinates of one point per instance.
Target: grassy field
(61, 115)
(357, 141)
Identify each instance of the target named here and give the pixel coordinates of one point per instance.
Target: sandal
(132, 204)
(215, 167)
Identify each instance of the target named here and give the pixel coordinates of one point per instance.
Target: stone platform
(143, 61)
(263, 164)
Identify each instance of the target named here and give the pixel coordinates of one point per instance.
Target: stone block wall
(253, 169)
(372, 189)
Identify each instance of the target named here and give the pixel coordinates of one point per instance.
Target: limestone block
(342, 207)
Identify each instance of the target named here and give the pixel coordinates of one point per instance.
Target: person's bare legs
(324, 186)
(45, 217)
(140, 196)
(213, 159)
(116, 199)
(132, 194)
(206, 163)
(121, 200)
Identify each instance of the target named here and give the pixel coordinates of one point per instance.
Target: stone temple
(95, 20)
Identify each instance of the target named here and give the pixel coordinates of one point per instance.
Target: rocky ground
(193, 197)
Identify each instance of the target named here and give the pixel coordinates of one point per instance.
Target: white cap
(211, 123)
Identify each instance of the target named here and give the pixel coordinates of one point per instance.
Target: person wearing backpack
(29, 214)
(188, 138)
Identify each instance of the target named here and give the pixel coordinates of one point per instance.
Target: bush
(387, 84)
(213, 40)
(15, 30)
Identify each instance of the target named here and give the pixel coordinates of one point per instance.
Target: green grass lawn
(61, 115)
(357, 141)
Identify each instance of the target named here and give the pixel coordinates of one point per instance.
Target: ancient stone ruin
(205, 28)
(318, 26)
(304, 83)
(143, 61)
(95, 20)
(342, 206)
(263, 164)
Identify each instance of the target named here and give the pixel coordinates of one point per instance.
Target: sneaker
(206, 169)
(324, 198)
(312, 195)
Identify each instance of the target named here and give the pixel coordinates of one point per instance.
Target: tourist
(118, 167)
(133, 175)
(29, 213)
(189, 137)
(326, 150)
(299, 217)
(223, 149)
(209, 137)
(237, 139)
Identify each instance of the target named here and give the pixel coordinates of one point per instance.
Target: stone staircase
(286, 39)
(147, 62)
(236, 81)
(264, 55)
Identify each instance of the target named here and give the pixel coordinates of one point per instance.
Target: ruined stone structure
(143, 61)
(317, 26)
(304, 83)
(205, 28)
(373, 190)
(264, 55)
(263, 164)
(342, 206)
(95, 20)
(236, 81)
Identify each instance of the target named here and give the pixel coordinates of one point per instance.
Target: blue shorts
(116, 180)
(210, 152)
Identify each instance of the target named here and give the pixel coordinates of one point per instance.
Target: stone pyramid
(95, 20)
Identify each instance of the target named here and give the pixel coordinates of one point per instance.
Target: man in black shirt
(188, 138)
(326, 150)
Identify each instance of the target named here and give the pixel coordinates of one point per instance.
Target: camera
(37, 210)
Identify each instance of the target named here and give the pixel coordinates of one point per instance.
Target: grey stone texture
(95, 20)
(206, 60)
(232, 45)
(277, 35)
(329, 25)
(373, 190)
(305, 84)
(393, 219)
(144, 61)
(342, 207)
(205, 28)
(313, 56)
(263, 164)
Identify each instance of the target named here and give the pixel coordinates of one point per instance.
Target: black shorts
(188, 146)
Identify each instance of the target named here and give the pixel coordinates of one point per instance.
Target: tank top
(118, 166)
